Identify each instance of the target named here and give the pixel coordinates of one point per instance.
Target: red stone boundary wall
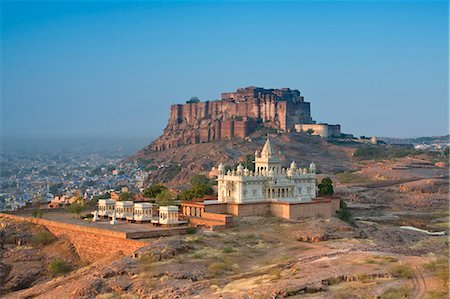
(92, 244)
(212, 220)
(321, 206)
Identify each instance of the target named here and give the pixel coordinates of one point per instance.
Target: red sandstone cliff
(237, 114)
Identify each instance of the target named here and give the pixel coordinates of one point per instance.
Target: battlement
(235, 115)
(254, 94)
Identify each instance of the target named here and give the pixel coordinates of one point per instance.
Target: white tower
(266, 160)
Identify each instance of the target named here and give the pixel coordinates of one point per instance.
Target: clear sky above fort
(113, 68)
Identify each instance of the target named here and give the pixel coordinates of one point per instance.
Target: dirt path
(420, 283)
(389, 183)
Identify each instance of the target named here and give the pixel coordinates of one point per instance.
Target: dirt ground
(266, 257)
(262, 257)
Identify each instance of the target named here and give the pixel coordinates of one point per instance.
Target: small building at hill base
(286, 193)
(322, 130)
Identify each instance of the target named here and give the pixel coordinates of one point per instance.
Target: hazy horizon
(109, 69)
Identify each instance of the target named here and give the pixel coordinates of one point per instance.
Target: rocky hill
(176, 165)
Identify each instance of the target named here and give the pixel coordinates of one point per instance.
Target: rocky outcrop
(121, 275)
(25, 252)
(237, 114)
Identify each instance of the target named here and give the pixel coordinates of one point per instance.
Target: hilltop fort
(237, 115)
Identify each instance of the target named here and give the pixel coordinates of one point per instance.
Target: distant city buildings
(54, 178)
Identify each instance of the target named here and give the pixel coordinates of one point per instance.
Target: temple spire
(267, 150)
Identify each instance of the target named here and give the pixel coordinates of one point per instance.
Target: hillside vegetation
(177, 164)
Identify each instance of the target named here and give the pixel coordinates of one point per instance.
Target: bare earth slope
(182, 162)
(26, 250)
(262, 257)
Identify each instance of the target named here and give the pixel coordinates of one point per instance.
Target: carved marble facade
(269, 182)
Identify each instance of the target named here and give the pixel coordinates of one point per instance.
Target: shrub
(88, 216)
(200, 179)
(59, 266)
(381, 260)
(195, 239)
(441, 268)
(43, 238)
(385, 152)
(227, 250)
(197, 255)
(220, 268)
(37, 213)
(343, 213)
(351, 177)
(77, 206)
(192, 100)
(401, 270)
(402, 292)
(191, 230)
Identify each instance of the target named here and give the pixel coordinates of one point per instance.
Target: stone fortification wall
(249, 209)
(92, 244)
(237, 114)
(325, 207)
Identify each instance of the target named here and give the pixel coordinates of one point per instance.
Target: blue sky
(111, 69)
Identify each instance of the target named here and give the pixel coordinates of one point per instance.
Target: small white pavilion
(106, 207)
(145, 212)
(168, 215)
(124, 209)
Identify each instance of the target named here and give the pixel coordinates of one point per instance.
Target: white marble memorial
(269, 182)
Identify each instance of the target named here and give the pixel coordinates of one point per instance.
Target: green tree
(165, 198)
(78, 206)
(197, 191)
(107, 195)
(249, 162)
(445, 153)
(310, 131)
(200, 179)
(154, 190)
(343, 213)
(56, 189)
(185, 195)
(201, 190)
(326, 187)
(37, 213)
(126, 196)
(194, 99)
(201, 185)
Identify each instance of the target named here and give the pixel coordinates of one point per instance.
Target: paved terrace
(120, 230)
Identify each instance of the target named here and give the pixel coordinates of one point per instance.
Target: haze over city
(111, 69)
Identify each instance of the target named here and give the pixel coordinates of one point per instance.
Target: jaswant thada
(270, 182)
(289, 193)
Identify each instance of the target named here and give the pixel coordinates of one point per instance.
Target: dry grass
(352, 177)
(220, 268)
(195, 239)
(381, 260)
(440, 268)
(402, 271)
(402, 292)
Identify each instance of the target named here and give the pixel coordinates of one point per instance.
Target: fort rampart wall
(92, 244)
